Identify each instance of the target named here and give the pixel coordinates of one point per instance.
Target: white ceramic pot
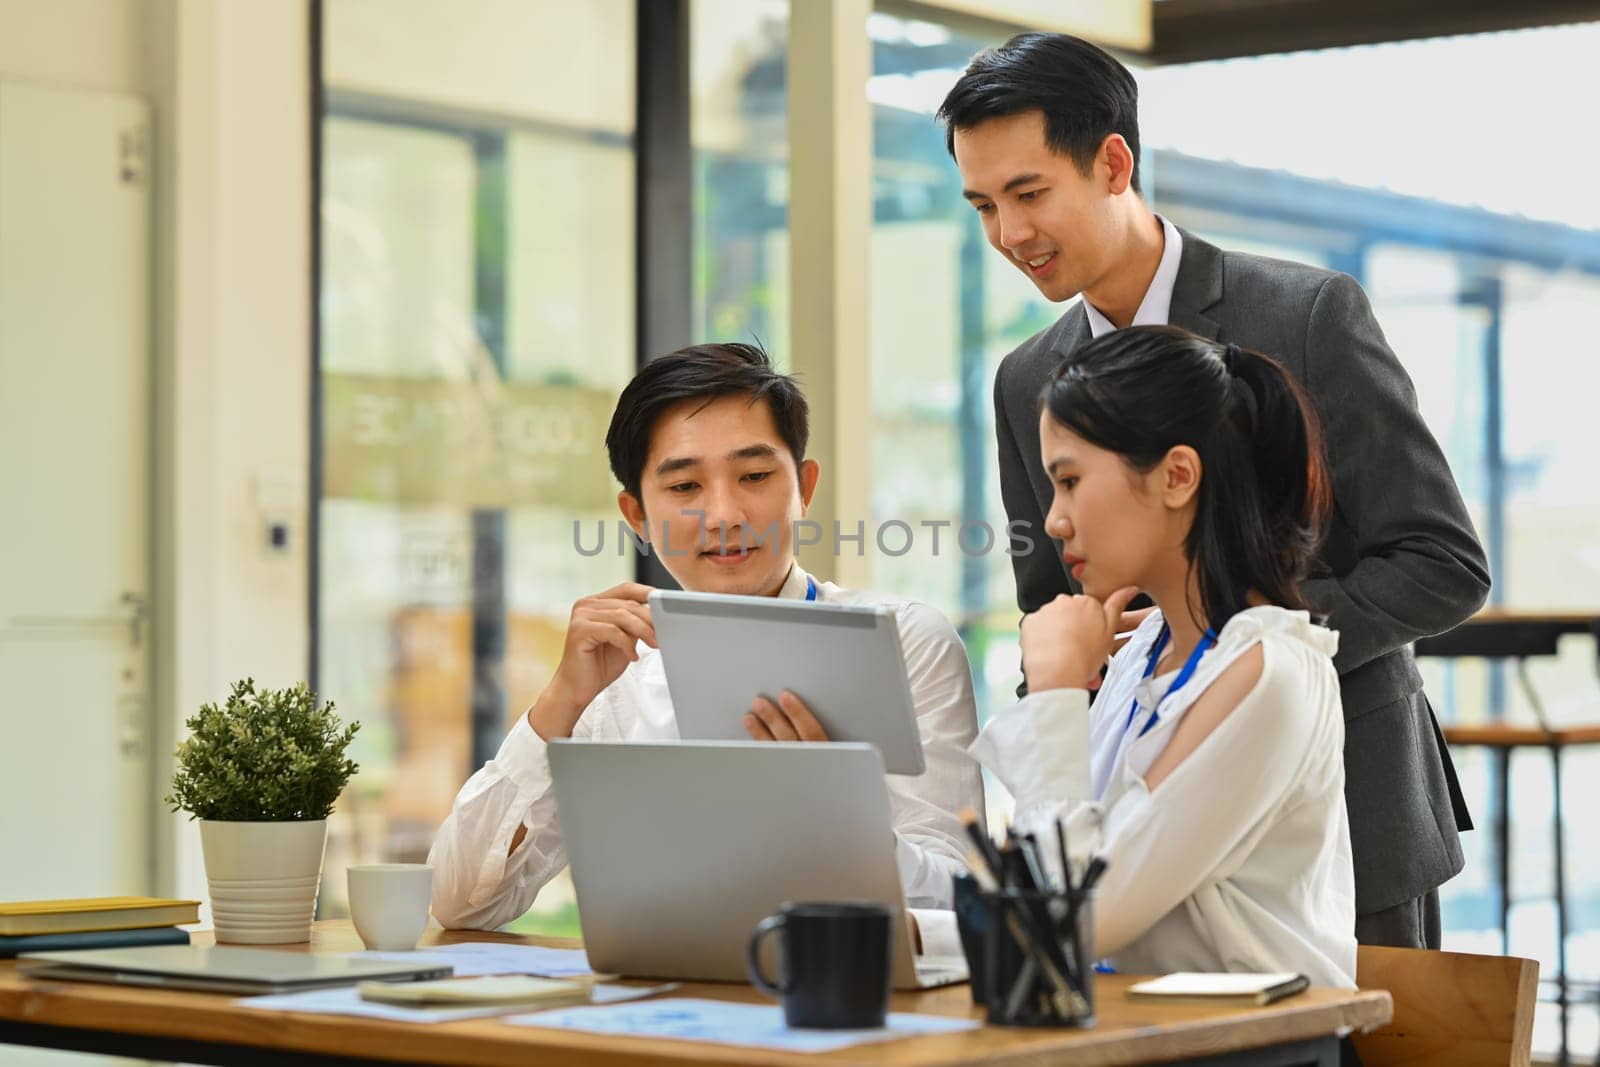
(264, 878)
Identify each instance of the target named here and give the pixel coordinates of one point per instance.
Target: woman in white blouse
(1209, 770)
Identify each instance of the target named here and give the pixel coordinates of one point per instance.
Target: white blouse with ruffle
(1240, 859)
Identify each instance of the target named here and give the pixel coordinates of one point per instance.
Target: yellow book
(94, 913)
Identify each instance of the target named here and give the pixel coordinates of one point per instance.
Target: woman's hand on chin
(1067, 642)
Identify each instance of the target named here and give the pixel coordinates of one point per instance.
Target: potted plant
(261, 773)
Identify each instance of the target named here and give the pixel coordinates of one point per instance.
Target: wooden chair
(1450, 1008)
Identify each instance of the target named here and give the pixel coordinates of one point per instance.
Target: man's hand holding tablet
(786, 720)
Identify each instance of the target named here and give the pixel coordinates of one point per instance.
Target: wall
(230, 83)
(82, 44)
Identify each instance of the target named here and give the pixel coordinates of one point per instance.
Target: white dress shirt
(478, 885)
(1156, 307)
(1240, 859)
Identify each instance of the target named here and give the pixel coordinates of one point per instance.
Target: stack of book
(100, 922)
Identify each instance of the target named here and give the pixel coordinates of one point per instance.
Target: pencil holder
(1037, 959)
(972, 920)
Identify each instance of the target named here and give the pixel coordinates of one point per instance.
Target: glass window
(739, 130)
(1485, 308)
(477, 324)
(944, 310)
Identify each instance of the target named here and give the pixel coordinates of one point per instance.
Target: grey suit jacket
(1400, 560)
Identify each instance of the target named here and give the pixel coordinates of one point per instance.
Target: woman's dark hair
(704, 372)
(1085, 95)
(1264, 495)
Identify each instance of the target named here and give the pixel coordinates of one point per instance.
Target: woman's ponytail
(1286, 452)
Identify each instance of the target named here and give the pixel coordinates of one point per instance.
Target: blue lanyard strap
(1190, 665)
(811, 588)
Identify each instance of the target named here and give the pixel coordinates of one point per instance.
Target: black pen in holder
(1029, 944)
(1036, 966)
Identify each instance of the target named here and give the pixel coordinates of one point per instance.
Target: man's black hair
(706, 373)
(1084, 93)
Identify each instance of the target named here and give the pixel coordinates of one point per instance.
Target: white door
(76, 796)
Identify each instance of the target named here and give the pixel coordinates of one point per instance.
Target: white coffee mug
(389, 904)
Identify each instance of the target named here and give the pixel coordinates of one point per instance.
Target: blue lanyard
(811, 588)
(1189, 666)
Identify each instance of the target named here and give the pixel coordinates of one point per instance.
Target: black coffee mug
(835, 964)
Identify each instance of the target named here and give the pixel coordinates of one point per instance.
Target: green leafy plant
(268, 756)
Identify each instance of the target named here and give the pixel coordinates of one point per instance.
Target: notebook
(94, 913)
(1255, 988)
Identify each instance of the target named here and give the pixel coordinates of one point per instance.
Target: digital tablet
(843, 660)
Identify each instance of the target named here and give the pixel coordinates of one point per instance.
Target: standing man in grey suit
(1045, 133)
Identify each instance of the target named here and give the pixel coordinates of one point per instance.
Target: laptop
(844, 660)
(219, 968)
(679, 848)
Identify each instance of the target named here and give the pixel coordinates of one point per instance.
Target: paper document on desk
(473, 958)
(346, 1000)
(691, 1019)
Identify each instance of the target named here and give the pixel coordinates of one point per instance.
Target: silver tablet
(844, 660)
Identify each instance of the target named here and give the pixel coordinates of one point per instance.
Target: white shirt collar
(1156, 307)
(794, 586)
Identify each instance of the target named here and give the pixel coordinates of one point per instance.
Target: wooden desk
(211, 1028)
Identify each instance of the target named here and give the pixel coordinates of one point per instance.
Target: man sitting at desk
(709, 444)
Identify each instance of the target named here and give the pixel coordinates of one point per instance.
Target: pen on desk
(1298, 984)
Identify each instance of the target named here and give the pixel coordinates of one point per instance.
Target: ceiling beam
(1190, 31)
